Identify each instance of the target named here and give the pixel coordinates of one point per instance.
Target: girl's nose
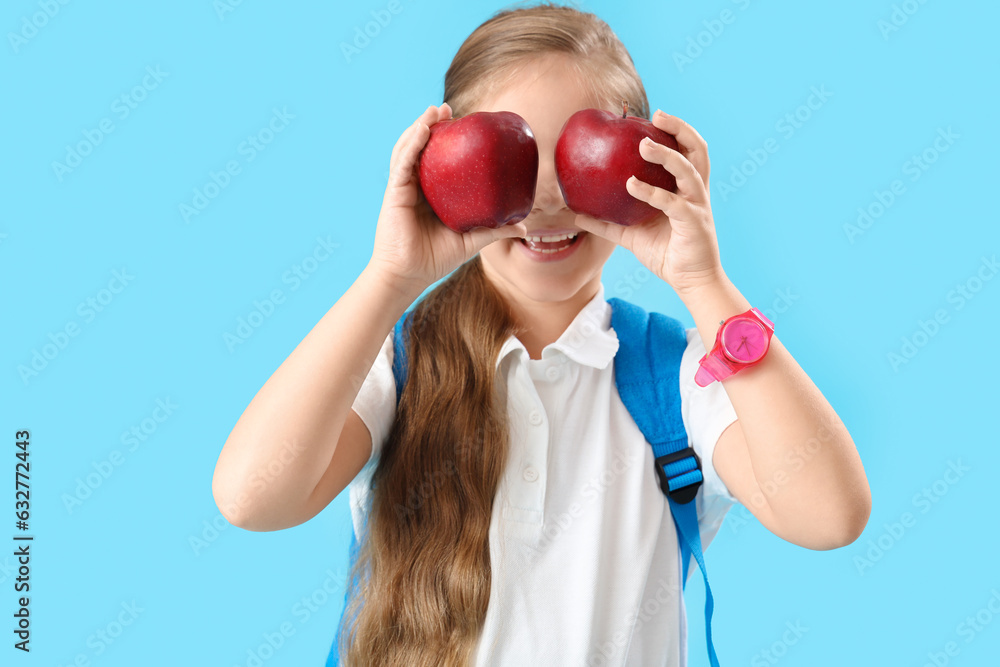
(548, 196)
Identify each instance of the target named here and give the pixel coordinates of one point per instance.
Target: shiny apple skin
(596, 152)
(480, 170)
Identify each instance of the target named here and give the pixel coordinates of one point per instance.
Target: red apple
(596, 152)
(480, 170)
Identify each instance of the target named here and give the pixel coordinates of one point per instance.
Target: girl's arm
(814, 495)
(788, 458)
(298, 443)
(290, 436)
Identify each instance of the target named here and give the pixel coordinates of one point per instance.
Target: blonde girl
(510, 510)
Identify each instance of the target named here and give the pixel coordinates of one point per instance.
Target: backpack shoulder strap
(399, 363)
(647, 375)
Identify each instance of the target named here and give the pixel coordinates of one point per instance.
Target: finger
(401, 143)
(689, 181)
(409, 148)
(674, 205)
(396, 147)
(606, 230)
(406, 160)
(478, 238)
(428, 117)
(408, 132)
(691, 144)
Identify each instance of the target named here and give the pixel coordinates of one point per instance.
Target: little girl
(510, 509)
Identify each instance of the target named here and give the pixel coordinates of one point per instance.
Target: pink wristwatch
(741, 342)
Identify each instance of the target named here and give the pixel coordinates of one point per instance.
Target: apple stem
(624, 108)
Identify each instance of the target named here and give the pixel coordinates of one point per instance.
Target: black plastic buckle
(685, 494)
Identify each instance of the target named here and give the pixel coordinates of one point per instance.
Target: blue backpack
(647, 375)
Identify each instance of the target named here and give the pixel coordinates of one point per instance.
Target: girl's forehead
(545, 93)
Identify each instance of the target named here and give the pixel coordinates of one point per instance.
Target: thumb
(483, 236)
(606, 230)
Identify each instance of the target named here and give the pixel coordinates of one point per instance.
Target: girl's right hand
(412, 245)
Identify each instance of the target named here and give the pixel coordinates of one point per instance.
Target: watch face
(744, 340)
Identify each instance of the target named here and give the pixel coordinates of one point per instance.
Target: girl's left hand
(680, 245)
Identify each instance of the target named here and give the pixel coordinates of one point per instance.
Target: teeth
(550, 239)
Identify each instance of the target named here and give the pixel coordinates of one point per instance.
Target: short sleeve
(707, 412)
(376, 399)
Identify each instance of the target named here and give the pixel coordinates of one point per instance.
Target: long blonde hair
(423, 567)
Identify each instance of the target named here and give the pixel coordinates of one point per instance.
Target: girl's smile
(551, 245)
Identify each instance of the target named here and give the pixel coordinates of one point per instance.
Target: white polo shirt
(584, 556)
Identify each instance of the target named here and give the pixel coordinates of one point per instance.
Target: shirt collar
(588, 340)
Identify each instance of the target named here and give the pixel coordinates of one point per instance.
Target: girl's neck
(544, 321)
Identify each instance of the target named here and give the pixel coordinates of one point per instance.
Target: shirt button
(552, 372)
(530, 474)
(535, 417)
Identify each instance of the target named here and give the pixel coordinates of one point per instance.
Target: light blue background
(324, 175)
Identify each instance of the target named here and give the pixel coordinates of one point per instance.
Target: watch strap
(711, 368)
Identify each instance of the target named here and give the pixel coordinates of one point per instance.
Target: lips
(557, 245)
(550, 243)
(550, 238)
(551, 231)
